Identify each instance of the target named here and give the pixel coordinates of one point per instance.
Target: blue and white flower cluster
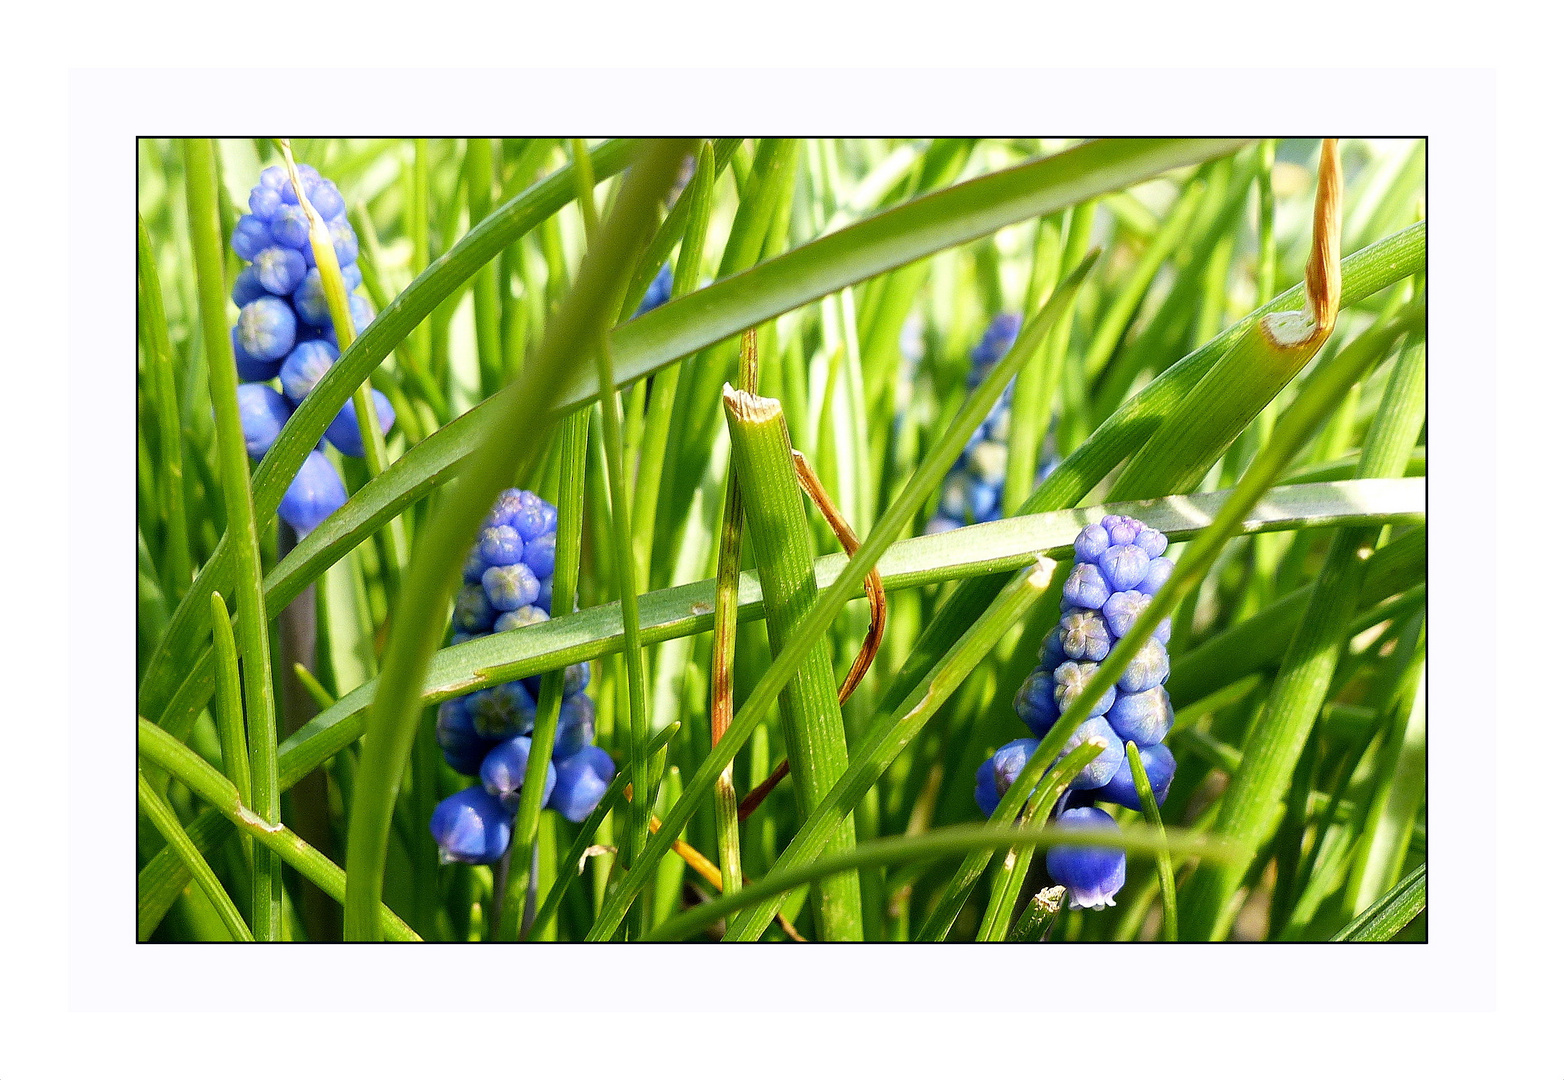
(1119, 566)
(285, 336)
(508, 582)
(974, 489)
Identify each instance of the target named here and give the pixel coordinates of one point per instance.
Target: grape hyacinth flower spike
(1120, 563)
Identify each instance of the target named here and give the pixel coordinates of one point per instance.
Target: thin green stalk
(479, 165)
(725, 623)
(1392, 912)
(1031, 404)
(936, 844)
(153, 324)
(229, 712)
(641, 794)
(206, 242)
(167, 823)
(1010, 874)
(160, 748)
(659, 415)
(578, 324)
(571, 503)
(1265, 257)
(1153, 813)
(812, 725)
(918, 488)
(1315, 401)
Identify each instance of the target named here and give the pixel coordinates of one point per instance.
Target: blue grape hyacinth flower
(1092, 875)
(583, 779)
(505, 768)
(315, 494)
(471, 826)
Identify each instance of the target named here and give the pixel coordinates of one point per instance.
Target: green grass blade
(162, 749)
(1153, 815)
(206, 242)
(812, 725)
(163, 819)
(1392, 912)
(153, 324)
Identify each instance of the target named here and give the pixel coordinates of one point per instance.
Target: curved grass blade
(164, 820)
(936, 844)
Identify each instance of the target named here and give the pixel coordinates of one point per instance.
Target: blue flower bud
(539, 555)
(266, 328)
(473, 612)
(502, 712)
(251, 234)
(361, 313)
(999, 772)
(325, 197)
(279, 269)
(1159, 765)
(545, 599)
(1035, 703)
(1091, 874)
(510, 587)
(308, 176)
(529, 516)
(473, 568)
(1123, 608)
(291, 227)
(1147, 668)
(262, 412)
(505, 505)
(344, 433)
(526, 615)
(1052, 654)
(997, 339)
(500, 545)
(1121, 529)
(1151, 541)
(471, 826)
(1085, 587)
(1084, 635)
(1070, 679)
(343, 240)
(1157, 573)
(1100, 769)
(582, 779)
(1144, 717)
(309, 299)
(1123, 566)
(251, 368)
(658, 292)
(577, 726)
(247, 287)
(306, 365)
(265, 202)
(463, 747)
(1091, 543)
(505, 769)
(984, 500)
(315, 494)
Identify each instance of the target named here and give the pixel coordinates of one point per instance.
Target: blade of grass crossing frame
(153, 324)
(206, 242)
(577, 324)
